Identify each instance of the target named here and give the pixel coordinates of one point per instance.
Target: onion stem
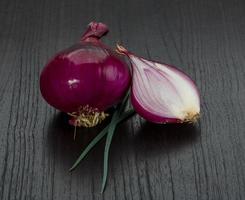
(111, 131)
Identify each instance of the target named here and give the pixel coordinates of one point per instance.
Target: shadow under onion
(65, 150)
(149, 141)
(153, 139)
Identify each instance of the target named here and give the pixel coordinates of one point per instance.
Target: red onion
(161, 93)
(85, 79)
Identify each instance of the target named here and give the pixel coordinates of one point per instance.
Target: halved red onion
(161, 93)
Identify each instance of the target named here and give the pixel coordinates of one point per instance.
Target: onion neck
(121, 50)
(91, 39)
(94, 32)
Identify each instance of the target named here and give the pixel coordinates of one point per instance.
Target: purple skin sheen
(85, 74)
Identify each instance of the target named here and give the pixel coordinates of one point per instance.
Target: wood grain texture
(205, 38)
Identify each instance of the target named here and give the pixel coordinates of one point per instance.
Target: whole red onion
(85, 79)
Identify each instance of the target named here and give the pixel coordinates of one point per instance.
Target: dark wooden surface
(205, 38)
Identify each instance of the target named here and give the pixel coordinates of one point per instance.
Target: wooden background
(205, 38)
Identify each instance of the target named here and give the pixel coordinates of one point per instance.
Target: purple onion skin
(87, 73)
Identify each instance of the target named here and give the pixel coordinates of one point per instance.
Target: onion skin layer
(86, 74)
(149, 116)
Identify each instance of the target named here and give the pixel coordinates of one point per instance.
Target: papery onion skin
(151, 80)
(86, 74)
